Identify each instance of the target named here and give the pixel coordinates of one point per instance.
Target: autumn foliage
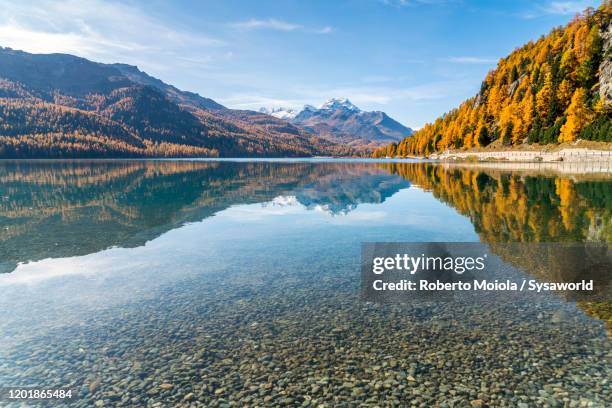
(62, 106)
(512, 207)
(547, 91)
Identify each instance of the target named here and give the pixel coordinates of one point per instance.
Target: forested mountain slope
(59, 105)
(553, 90)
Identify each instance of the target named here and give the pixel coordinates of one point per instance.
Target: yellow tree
(519, 131)
(580, 43)
(564, 94)
(494, 101)
(545, 96)
(578, 115)
(523, 118)
(599, 106)
(527, 111)
(569, 63)
(505, 116)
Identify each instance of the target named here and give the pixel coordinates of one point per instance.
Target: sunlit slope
(553, 90)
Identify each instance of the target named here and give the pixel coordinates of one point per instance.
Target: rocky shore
(301, 341)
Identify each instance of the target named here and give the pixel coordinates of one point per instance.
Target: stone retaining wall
(564, 155)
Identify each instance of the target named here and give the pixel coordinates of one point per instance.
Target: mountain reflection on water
(62, 209)
(59, 209)
(238, 281)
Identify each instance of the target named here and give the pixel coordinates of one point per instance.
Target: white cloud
(103, 31)
(324, 30)
(563, 8)
(269, 24)
(471, 60)
(277, 25)
(254, 101)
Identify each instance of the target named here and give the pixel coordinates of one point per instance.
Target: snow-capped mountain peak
(339, 103)
(342, 122)
(281, 113)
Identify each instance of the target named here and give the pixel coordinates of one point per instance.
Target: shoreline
(579, 154)
(576, 168)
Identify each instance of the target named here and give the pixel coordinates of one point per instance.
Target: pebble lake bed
(222, 284)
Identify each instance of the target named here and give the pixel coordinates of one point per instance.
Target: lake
(236, 283)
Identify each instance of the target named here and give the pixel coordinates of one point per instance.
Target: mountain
(59, 105)
(342, 122)
(281, 113)
(557, 89)
(181, 97)
(335, 104)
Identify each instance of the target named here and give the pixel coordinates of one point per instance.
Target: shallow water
(237, 283)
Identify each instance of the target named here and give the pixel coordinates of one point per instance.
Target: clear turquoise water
(223, 277)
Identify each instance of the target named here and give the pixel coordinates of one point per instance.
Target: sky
(414, 59)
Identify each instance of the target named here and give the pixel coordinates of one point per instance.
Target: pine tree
(483, 136)
(514, 74)
(507, 139)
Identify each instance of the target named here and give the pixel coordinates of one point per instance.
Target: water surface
(237, 283)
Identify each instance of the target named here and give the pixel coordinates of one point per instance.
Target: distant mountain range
(342, 122)
(60, 105)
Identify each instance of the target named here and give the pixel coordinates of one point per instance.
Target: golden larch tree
(564, 93)
(578, 115)
(545, 96)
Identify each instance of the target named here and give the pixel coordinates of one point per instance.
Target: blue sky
(414, 59)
